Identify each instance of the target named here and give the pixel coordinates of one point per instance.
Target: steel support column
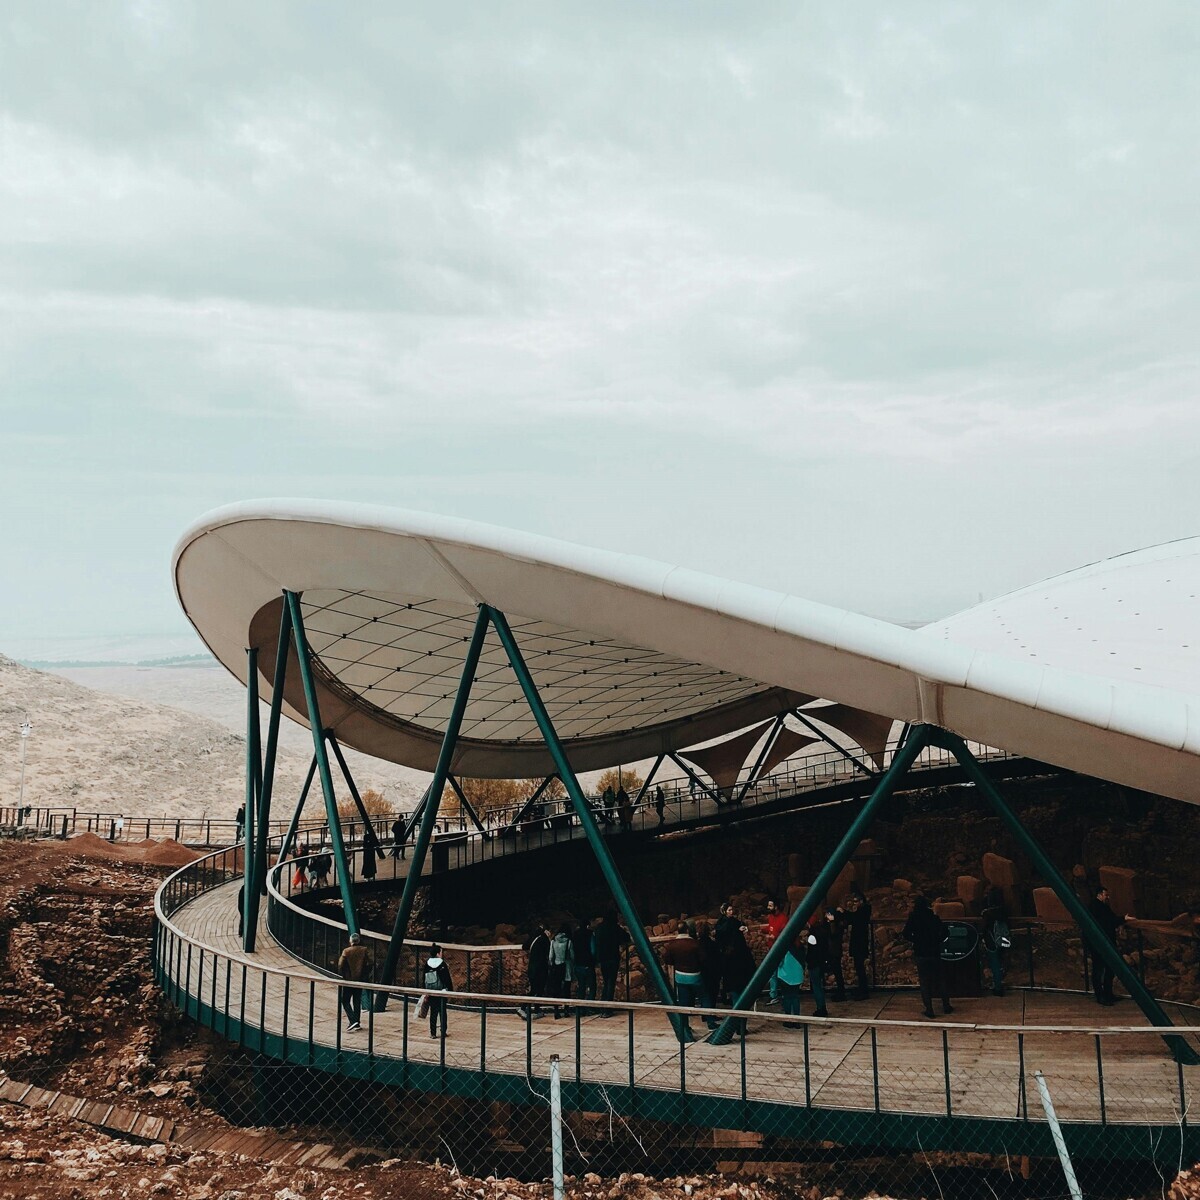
(1101, 946)
(345, 884)
(612, 875)
(253, 791)
(434, 799)
(512, 826)
(850, 758)
(772, 734)
(258, 872)
(824, 880)
(658, 762)
(714, 796)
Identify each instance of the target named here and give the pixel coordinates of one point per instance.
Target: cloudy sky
(891, 312)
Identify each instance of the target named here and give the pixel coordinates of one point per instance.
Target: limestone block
(840, 888)
(795, 867)
(971, 892)
(1124, 889)
(949, 910)
(903, 886)
(796, 893)
(1049, 907)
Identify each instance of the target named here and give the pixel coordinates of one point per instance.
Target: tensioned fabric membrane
(1093, 671)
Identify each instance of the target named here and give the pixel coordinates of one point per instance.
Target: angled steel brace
(258, 874)
(658, 762)
(370, 837)
(824, 880)
(714, 796)
(468, 807)
(587, 819)
(433, 801)
(514, 824)
(253, 791)
(862, 766)
(772, 734)
(290, 837)
(345, 884)
(1101, 946)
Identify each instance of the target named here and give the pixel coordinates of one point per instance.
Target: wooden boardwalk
(877, 1056)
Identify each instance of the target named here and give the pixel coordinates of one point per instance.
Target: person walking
(858, 921)
(609, 940)
(926, 933)
(610, 803)
(561, 972)
(537, 968)
(585, 961)
(660, 804)
(354, 966)
(773, 927)
(398, 838)
(1109, 922)
(241, 903)
(437, 981)
(994, 933)
(240, 819)
(682, 953)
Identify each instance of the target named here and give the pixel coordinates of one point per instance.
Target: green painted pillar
(824, 880)
(612, 876)
(370, 839)
(290, 837)
(257, 884)
(253, 791)
(1100, 944)
(433, 798)
(318, 732)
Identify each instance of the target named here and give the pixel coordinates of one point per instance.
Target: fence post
(556, 1149)
(1056, 1134)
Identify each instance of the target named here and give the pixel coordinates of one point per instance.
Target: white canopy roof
(635, 657)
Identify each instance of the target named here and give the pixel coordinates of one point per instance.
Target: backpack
(1001, 937)
(433, 981)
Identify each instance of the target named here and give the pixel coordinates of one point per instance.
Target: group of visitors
(311, 869)
(566, 964)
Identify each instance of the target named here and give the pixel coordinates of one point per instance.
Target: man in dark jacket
(858, 919)
(683, 953)
(354, 966)
(585, 961)
(818, 960)
(1109, 922)
(537, 966)
(925, 931)
(609, 940)
(437, 980)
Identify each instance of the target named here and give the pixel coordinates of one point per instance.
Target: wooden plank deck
(1141, 1081)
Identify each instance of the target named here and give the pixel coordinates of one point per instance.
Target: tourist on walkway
(609, 940)
(994, 932)
(788, 977)
(398, 838)
(737, 961)
(818, 959)
(585, 961)
(437, 980)
(241, 903)
(858, 921)
(354, 966)
(537, 968)
(610, 803)
(625, 811)
(240, 818)
(773, 927)
(926, 933)
(710, 960)
(562, 970)
(682, 953)
(660, 804)
(835, 922)
(321, 866)
(1109, 922)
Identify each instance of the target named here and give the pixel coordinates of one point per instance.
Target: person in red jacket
(776, 920)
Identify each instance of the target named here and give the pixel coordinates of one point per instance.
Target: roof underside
(632, 658)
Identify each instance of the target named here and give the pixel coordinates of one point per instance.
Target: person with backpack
(996, 938)
(561, 969)
(437, 980)
(585, 961)
(537, 967)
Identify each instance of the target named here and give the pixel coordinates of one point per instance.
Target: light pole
(25, 730)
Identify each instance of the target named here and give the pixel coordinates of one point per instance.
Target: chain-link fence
(900, 1107)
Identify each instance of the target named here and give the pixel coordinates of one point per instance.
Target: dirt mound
(167, 853)
(93, 847)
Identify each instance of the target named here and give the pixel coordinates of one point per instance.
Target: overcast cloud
(888, 311)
